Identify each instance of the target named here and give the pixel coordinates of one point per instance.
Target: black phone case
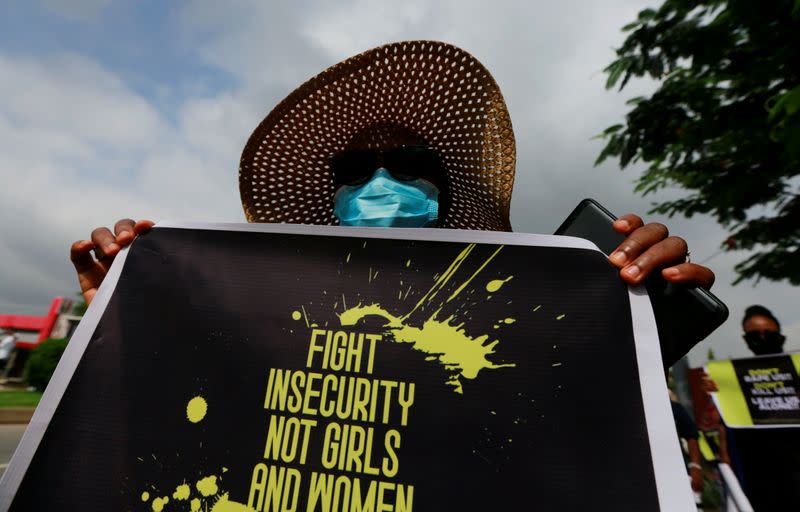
(684, 315)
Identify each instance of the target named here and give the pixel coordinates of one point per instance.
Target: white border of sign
(672, 486)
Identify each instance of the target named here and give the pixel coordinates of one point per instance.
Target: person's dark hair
(758, 310)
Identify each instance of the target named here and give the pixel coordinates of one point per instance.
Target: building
(59, 322)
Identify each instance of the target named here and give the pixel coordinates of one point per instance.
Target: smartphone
(685, 315)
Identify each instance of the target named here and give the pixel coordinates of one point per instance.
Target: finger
(143, 226)
(123, 230)
(627, 223)
(81, 256)
(90, 273)
(105, 244)
(638, 242)
(690, 274)
(127, 229)
(665, 252)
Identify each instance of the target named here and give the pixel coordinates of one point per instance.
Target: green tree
(43, 361)
(724, 123)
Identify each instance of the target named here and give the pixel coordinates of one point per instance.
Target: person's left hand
(648, 248)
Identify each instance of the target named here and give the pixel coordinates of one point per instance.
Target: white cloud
(83, 150)
(72, 96)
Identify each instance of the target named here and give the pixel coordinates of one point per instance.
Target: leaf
(722, 17)
(633, 25)
(614, 72)
(647, 15)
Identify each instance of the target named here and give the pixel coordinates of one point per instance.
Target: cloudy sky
(140, 109)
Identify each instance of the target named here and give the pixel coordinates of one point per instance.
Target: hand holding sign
(92, 270)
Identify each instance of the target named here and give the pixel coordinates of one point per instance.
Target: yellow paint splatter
(348, 258)
(182, 492)
(493, 286)
(296, 315)
(559, 317)
(445, 277)
(408, 263)
(556, 364)
(537, 308)
(305, 316)
(195, 505)
(196, 409)
(465, 283)
(461, 355)
(509, 320)
(145, 496)
(207, 486)
(158, 504)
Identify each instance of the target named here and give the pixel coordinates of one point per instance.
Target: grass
(19, 398)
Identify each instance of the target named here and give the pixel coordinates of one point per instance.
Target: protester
(408, 134)
(762, 331)
(767, 461)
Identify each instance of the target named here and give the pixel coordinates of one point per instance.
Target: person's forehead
(760, 323)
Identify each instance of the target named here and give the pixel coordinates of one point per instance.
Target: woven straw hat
(433, 90)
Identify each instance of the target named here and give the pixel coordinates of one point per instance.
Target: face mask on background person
(384, 201)
(764, 342)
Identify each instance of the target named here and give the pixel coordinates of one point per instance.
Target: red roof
(41, 324)
(22, 322)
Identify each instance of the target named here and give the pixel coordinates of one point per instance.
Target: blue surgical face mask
(386, 202)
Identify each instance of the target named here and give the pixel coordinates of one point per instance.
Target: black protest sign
(321, 369)
(771, 389)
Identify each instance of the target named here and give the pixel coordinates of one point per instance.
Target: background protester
(762, 331)
(767, 461)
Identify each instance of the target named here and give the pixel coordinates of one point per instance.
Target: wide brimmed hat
(434, 90)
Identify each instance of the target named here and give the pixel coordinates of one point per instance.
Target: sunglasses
(404, 163)
(770, 336)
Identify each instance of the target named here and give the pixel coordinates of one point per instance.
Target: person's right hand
(105, 244)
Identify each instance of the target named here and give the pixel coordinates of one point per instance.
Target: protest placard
(297, 368)
(758, 391)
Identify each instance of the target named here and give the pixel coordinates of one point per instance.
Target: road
(9, 439)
